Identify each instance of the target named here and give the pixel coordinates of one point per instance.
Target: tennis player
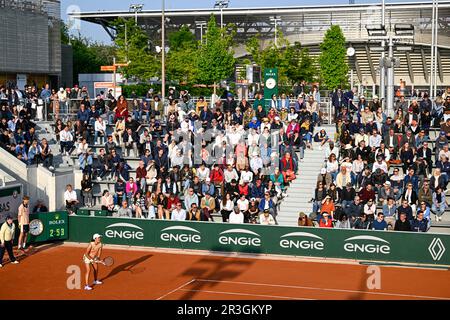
(92, 258)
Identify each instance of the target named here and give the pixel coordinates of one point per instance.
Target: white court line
(324, 289)
(246, 294)
(182, 286)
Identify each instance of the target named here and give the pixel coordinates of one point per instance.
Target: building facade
(31, 46)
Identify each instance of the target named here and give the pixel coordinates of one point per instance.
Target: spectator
(369, 209)
(227, 206)
(124, 211)
(406, 209)
(328, 207)
(194, 213)
(304, 221)
(410, 196)
(86, 187)
(419, 224)
(208, 205)
(100, 131)
(343, 222)
(40, 207)
(178, 214)
(325, 222)
(402, 224)
(138, 205)
(439, 203)
(267, 204)
(107, 201)
(266, 218)
(66, 141)
(367, 194)
(70, 197)
(361, 222)
(379, 223)
(236, 216)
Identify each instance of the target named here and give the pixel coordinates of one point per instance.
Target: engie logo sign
(124, 231)
(181, 234)
(367, 244)
(241, 237)
(301, 240)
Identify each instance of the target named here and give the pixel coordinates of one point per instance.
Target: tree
(88, 56)
(181, 63)
(301, 65)
(333, 60)
(273, 56)
(133, 46)
(215, 59)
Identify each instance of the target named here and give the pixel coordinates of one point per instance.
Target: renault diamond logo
(436, 249)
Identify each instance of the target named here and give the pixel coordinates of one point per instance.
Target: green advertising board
(270, 85)
(408, 247)
(48, 226)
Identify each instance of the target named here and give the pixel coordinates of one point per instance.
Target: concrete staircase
(45, 130)
(302, 189)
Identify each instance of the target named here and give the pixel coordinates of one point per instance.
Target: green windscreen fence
(408, 247)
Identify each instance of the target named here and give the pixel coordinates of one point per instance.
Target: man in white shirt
(361, 136)
(266, 218)
(246, 176)
(380, 164)
(100, 131)
(374, 140)
(62, 97)
(66, 141)
(178, 214)
(234, 136)
(256, 163)
(236, 216)
(230, 174)
(70, 197)
(203, 173)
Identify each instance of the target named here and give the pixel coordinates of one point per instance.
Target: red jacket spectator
(325, 223)
(243, 189)
(365, 194)
(171, 202)
(141, 173)
(287, 164)
(216, 176)
(292, 129)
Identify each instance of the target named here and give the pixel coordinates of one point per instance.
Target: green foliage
(301, 65)
(293, 62)
(141, 89)
(182, 56)
(143, 63)
(333, 60)
(65, 36)
(215, 59)
(88, 56)
(182, 38)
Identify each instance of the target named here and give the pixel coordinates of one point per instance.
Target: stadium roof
(295, 20)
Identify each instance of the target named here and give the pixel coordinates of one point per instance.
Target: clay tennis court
(145, 274)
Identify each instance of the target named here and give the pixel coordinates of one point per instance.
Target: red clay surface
(169, 276)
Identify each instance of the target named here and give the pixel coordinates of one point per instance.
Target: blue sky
(96, 33)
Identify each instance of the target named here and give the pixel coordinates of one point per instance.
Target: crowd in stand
(234, 159)
(384, 172)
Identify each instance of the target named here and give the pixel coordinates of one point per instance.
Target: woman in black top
(86, 187)
(253, 211)
(161, 203)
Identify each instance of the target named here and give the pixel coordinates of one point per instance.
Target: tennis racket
(108, 261)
